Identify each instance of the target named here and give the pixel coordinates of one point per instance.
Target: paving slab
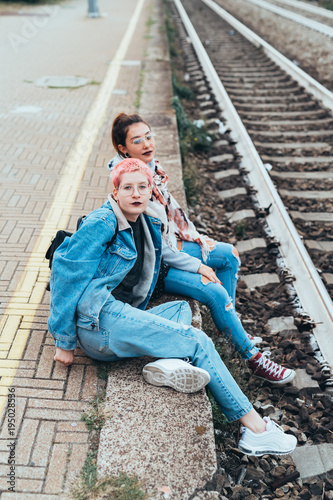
(282, 326)
(240, 215)
(303, 175)
(223, 174)
(301, 160)
(321, 246)
(221, 158)
(313, 460)
(328, 278)
(313, 216)
(305, 383)
(252, 245)
(309, 195)
(253, 280)
(164, 437)
(232, 193)
(220, 143)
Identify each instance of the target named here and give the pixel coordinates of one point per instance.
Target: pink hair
(130, 165)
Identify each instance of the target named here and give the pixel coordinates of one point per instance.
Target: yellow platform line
(21, 311)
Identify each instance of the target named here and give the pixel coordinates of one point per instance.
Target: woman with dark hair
(211, 267)
(99, 292)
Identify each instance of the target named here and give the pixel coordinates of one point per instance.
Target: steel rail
(310, 84)
(308, 285)
(293, 16)
(313, 9)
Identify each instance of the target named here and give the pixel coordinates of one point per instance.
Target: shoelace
(269, 365)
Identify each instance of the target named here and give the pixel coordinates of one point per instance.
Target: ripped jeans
(219, 298)
(164, 331)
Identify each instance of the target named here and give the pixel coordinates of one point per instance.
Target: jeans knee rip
(211, 244)
(205, 280)
(229, 307)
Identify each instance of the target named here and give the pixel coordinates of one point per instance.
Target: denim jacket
(85, 270)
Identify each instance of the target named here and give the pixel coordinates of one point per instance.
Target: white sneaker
(271, 442)
(254, 340)
(176, 373)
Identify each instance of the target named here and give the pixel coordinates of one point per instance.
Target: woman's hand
(209, 273)
(66, 358)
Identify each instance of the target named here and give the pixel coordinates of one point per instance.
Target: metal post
(93, 8)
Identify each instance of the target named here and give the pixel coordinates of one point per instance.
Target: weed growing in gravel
(182, 91)
(122, 487)
(103, 369)
(138, 92)
(192, 182)
(240, 229)
(94, 418)
(327, 4)
(192, 137)
(171, 34)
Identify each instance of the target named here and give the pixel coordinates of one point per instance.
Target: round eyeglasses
(139, 140)
(128, 189)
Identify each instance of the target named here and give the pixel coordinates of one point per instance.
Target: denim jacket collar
(121, 219)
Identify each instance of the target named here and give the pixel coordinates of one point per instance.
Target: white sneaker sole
(259, 453)
(187, 380)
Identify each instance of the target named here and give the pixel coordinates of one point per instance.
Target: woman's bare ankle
(254, 422)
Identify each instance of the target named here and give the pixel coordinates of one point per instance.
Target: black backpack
(59, 238)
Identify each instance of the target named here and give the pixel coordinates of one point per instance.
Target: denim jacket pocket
(113, 257)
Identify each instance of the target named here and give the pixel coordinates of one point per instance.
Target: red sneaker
(266, 369)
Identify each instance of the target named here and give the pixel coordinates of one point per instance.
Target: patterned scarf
(174, 219)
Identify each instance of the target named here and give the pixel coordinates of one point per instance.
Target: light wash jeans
(164, 331)
(219, 298)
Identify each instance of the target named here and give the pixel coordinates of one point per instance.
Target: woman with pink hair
(101, 282)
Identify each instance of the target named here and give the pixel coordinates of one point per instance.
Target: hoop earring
(127, 155)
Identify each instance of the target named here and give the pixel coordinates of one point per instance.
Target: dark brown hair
(120, 126)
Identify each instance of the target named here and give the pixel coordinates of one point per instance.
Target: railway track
(321, 27)
(308, 8)
(292, 139)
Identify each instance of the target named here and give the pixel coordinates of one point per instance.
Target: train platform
(67, 76)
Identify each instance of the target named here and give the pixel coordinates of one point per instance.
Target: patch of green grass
(192, 181)
(326, 4)
(171, 34)
(94, 418)
(94, 82)
(122, 487)
(240, 229)
(182, 91)
(87, 479)
(149, 23)
(138, 93)
(103, 369)
(191, 136)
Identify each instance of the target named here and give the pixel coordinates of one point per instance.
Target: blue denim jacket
(85, 270)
